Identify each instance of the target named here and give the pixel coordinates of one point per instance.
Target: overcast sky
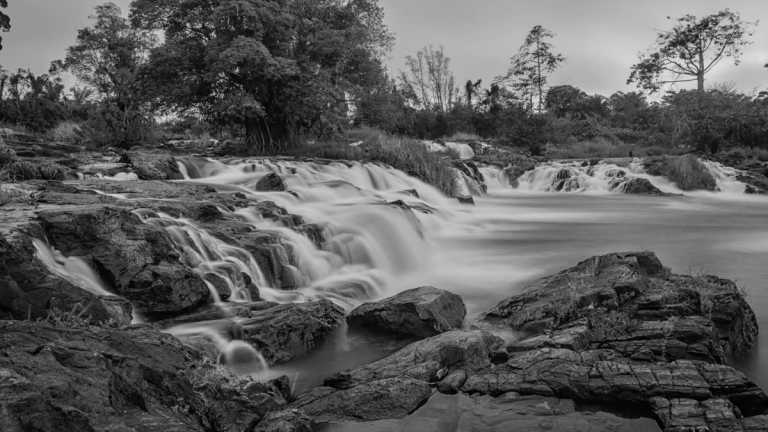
(600, 38)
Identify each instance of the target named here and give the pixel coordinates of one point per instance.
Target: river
(387, 232)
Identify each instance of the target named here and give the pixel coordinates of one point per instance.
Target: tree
(5, 21)
(531, 66)
(691, 50)
(428, 81)
(275, 69)
(108, 57)
(471, 91)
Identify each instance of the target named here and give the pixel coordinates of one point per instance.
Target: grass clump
(22, 170)
(686, 171)
(405, 154)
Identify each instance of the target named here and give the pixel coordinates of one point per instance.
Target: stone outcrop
(76, 379)
(616, 331)
(271, 183)
(419, 312)
(639, 186)
(284, 332)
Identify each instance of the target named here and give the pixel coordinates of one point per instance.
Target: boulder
(271, 183)
(419, 312)
(639, 186)
(150, 165)
(93, 379)
(138, 261)
(286, 331)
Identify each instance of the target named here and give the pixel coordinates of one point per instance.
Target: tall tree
(5, 20)
(691, 49)
(108, 56)
(429, 81)
(531, 66)
(277, 69)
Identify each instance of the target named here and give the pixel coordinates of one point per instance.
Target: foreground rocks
(420, 312)
(96, 379)
(616, 331)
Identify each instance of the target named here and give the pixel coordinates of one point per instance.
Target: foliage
(428, 83)
(686, 171)
(22, 170)
(692, 49)
(277, 69)
(405, 154)
(5, 21)
(30, 100)
(531, 67)
(108, 56)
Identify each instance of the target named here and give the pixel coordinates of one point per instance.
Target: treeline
(274, 74)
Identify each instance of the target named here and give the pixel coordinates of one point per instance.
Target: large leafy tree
(5, 20)
(692, 49)
(108, 56)
(531, 66)
(277, 68)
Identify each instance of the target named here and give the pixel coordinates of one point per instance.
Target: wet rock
(28, 290)
(375, 400)
(452, 383)
(137, 261)
(467, 200)
(71, 379)
(286, 421)
(271, 183)
(420, 312)
(639, 186)
(287, 331)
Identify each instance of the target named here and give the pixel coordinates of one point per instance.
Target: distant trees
(691, 49)
(531, 66)
(5, 20)
(31, 100)
(428, 81)
(276, 69)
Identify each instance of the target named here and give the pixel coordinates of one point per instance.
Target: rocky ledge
(617, 333)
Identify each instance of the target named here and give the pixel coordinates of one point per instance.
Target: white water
(72, 269)
(607, 177)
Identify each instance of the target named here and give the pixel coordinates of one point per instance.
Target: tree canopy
(5, 20)
(691, 49)
(278, 68)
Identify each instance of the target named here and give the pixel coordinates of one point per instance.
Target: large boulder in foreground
(617, 332)
(639, 186)
(419, 312)
(97, 379)
(286, 331)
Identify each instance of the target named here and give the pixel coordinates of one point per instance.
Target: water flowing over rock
(55, 379)
(420, 312)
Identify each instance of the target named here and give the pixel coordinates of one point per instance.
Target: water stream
(385, 232)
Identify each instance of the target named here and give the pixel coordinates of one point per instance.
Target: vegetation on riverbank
(686, 171)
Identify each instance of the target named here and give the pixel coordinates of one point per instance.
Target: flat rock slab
(511, 412)
(420, 312)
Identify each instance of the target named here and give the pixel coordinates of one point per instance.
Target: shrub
(66, 131)
(7, 155)
(686, 171)
(25, 170)
(599, 147)
(407, 155)
(463, 136)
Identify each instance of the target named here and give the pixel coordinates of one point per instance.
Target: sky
(600, 39)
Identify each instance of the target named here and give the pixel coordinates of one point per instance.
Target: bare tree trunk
(700, 74)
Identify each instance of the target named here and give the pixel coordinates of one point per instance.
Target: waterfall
(607, 176)
(72, 269)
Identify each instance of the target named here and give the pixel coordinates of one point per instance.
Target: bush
(25, 170)
(109, 126)
(7, 155)
(66, 131)
(686, 171)
(407, 155)
(599, 147)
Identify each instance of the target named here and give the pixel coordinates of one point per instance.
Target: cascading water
(603, 177)
(72, 269)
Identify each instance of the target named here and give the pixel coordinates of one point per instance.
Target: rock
(71, 379)
(452, 383)
(467, 200)
(510, 412)
(382, 399)
(640, 186)
(286, 421)
(420, 312)
(153, 165)
(29, 290)
(137, 261)
(287, 331)
(632, 303)
(271, 183)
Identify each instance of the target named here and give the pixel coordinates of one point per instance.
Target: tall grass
(686, 171)
(407, 155)
(599, 147)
